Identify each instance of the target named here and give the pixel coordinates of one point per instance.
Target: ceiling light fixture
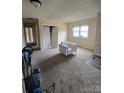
(36, 3)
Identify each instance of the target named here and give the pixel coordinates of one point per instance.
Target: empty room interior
(65, 38)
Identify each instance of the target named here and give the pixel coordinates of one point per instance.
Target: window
(80, 31)
(29, 34)
(84, 31)
(76, 31)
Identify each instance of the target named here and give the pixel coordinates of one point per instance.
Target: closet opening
(50, 37)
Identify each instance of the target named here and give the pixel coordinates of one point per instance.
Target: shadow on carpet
(53, 61)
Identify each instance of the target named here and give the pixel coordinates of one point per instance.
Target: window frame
(76, 31)
(79, 31)
(84, 31)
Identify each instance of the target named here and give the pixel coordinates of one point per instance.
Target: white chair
(67, 48)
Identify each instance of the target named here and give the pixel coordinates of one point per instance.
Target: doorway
(31, 32)
(50, 37)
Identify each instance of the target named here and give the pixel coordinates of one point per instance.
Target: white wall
(83, 42)
(62, 32)
(97, 50)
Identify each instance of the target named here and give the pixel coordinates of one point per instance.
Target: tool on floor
(32, 76)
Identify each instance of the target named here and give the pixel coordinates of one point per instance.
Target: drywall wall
(97, 50)
(62, 29)
(62, 32)
(83, 42)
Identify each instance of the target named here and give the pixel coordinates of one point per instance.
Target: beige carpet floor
(71, 74)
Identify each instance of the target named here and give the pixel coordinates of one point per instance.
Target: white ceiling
(62, 10)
